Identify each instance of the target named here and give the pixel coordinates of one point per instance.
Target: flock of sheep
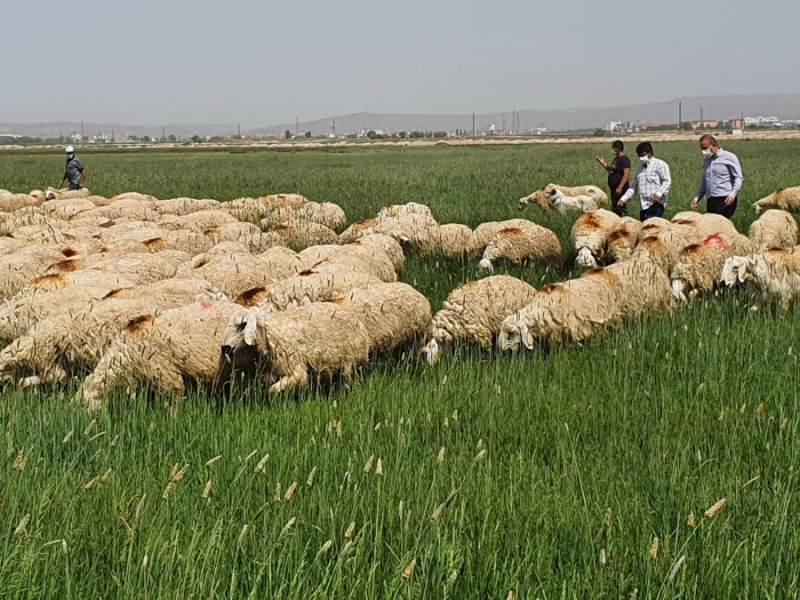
(163, 294)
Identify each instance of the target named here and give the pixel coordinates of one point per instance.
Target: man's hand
(621, 203)
(729, 200)
(656, 199)
(619, 191)
(694, 204)
(602, 161)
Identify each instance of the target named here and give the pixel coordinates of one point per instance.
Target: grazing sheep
(653, 226)
(292, 345)
(419, 232)
(302, 234)
(236, 272)
(199, 222)
(181, 207)
(135, 196)
(663, 249)
(560, 313)
(248, 234)
(699, 267)
(703, 225)
(623, 239)
(54, 194)
(163, 352)
(475, 312)
(590, 237)
(66, 209)
(13, 202)
(307, 287)
(775, 273)
(356, 230)
(139, 269)
(357, 258)
(645, 288)
(401, 210)
(25, 265)
(456, 241)
(542, 197)
(774, 229)
(127, 208)
(787, 199)
(291, 201)
(518, 245)
(564, 203)
(396, 316)
(484, 232)
(328, 214)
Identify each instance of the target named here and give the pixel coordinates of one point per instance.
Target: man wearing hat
(75, 172)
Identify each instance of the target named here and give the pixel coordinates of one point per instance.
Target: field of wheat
(656, 462)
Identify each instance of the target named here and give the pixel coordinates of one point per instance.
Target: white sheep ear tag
(250, 330)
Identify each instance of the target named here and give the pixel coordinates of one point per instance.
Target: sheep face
(240, 332)
(586, 259)
(734, 271)
(679, 289)
(432, 351)
(514, 333)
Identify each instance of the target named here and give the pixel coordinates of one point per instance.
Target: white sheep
(475, 312)
(699, 266)
(623, 239)
(590, 237)
(564, 203)
(302, 234)
(199, 222)
(787, 199)
(292, 346)
(518, 245)
(328, 214)
(774, 229)
(164, 351)
(356, 257)
(140, 269)
(775, 273)
(542, 197)
(356, 230)
(307, 287)
(12, 202)
(400, 210)
(185, 206)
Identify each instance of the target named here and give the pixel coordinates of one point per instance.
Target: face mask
(644, 159)
(707, 153)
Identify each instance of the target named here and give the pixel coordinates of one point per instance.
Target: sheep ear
(250, 330)
(525, 336)
(741, 273)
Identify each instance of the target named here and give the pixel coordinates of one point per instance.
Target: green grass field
(549, 475)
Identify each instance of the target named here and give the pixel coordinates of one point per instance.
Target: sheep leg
(297, 378)
(18, 355)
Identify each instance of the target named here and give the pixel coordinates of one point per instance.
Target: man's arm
(736, 174)
(632, 191)
(701, 192)
(626, 175)
(83, 176)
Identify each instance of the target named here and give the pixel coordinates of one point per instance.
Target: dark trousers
(655, 210)
(74, 186)
(717, 206)
(621, 211)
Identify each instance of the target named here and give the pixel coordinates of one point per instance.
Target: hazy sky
(262, 62)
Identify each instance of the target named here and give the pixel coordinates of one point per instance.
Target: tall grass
(558, 469)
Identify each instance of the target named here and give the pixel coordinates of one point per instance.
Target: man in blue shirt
(75, 172)
(722, 178)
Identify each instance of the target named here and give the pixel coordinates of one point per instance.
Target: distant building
(705, 124)
(610, 126)
(737, 123)
(492, 130)
(762, 122)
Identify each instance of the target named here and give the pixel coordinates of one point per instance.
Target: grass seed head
(446, 422)
(106, 476)
(90, 427)
(19, 462)
(288, 527)
(437, 513)
(368, 466)
(784, 423)
(346, 550)
(324, 549)
(91, 484)
(691, 521)
(278, 492)
(261, 464)
(481, 456)
(760, 409)
(379, 468)
(338, 429)
(511, 595)
(22, 525)
(211, 461)
(168, 490)
(351, 530)
(312, 477)
(145, 561)
(409, 570)
(722, 415)
(479, 446)
(68, 437)
(64, 547)
(290, 492)
(377, 427)
(603, 557)
(743, 409)
(441, 457)
(115, 440)
(180, 474)
(206, 491)
(453, 577)
(454, 416)
(242, 533)
(655, 547)
(173, 472)
(714, 510)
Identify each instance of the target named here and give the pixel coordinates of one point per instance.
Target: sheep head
(240, 332)
(734, 271)
(586, 259)
(512, 332)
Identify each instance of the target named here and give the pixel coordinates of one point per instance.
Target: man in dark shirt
(75, 172)
(619, 174)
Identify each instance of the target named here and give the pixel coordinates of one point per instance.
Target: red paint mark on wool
(206, 304)
(717, 240)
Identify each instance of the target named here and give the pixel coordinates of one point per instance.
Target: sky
(261, 62)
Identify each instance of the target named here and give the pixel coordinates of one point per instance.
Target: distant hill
(714, 107)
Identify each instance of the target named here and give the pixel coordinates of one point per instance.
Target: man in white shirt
(652, 183)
